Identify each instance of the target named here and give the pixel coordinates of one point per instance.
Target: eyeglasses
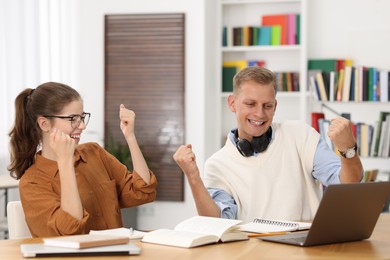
(75, 120)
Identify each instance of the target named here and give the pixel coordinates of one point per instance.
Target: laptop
(347, 212)
(40, 250)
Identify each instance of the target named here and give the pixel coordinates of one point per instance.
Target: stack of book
(274, 29)
(341, 80)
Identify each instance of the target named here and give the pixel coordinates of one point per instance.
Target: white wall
(90, 45)
(356, 29)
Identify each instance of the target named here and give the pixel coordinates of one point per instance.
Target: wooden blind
(144, 70)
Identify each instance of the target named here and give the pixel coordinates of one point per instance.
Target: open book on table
(197, 231)
(273, 226)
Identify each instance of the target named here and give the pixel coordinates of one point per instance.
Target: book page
(207, 225)
(179, 238)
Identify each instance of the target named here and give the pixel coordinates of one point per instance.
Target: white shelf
(280, 58)
(262, 48)
(241, 2)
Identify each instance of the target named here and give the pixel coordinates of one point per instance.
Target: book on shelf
(383, 149)
(314, 120)
(227, 78)
(276, 35)
(332, 85)
(340, 82)
(85, 241)
(291, 32)
(346, 83)
(273, 226)
(265, 35)
(313, 84)
(378, 129)
(197, 231)
(364, 140)
(370, 175)
(384, 85)
(298, 29)
(321, 87)
(327, 65)
(237, 36)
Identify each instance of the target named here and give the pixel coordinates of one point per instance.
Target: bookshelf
(361, 112)
(366, 97)
(329, 39)
(279, 58)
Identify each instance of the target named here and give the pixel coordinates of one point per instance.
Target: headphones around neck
(259, 143)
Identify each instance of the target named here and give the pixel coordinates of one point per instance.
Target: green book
(276, 35)
(324, 65)
(298, 29)
(255, 34)
(227, 78)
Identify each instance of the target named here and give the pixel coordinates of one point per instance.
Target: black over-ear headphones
(259, 143)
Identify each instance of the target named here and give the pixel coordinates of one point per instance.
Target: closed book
(371, 83)
(265, 35)
(276, 35)
(298, 29)
(227, 78)
(291, 32)
(314, 120)
(326, 65)
(365, 80)
(85, 241)
(340, 84)
(364, 140)
(381, 120)
(384, 85)
(321, 87)
(347, 83)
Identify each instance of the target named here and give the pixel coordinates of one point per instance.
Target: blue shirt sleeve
(327, 164)
(225, 202)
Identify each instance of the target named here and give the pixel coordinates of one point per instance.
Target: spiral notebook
(347, 212)
(273, 226)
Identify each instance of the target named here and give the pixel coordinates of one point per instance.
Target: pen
(266, 234)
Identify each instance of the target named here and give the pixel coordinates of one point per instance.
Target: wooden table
(377, 247)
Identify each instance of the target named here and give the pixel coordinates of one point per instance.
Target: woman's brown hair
(47, 99)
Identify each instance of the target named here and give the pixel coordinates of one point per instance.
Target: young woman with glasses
(65, 187)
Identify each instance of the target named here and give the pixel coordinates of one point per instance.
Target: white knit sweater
(276, 184)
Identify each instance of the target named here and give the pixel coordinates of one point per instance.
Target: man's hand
(340, 133)
(185, 158)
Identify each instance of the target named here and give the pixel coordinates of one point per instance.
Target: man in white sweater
(269, 170)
